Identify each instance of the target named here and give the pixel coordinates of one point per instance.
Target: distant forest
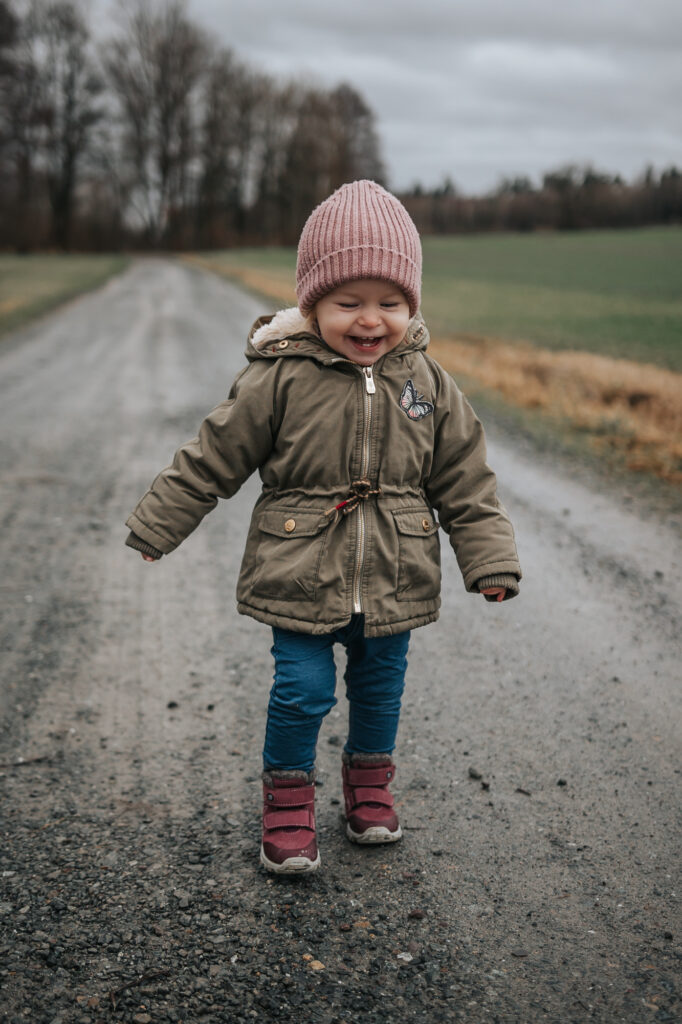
(157, 138)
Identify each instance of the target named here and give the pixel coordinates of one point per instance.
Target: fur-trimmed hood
(284, 324)
(290, 325)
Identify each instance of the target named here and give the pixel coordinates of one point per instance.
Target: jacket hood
(269, 333)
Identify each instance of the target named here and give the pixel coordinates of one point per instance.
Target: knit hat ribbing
(360, 231)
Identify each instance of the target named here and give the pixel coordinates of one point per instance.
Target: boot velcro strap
(290, 796)
(302, 818)
(367, 795)
(371, 776)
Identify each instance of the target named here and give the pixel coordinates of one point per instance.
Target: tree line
(569, 198)
(157, 137)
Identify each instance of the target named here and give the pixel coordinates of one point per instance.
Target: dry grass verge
(634, 408)
(33, 285)
(631, 408)
(264, 282)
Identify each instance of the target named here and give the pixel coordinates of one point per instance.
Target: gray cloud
(482, 89)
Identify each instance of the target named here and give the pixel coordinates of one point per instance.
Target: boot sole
(291, 866)
(375, 834)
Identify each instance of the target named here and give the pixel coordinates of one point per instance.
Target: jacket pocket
(418, 555)
(290, 550)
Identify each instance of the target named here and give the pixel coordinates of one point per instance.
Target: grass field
(585, 327)
(617, 293)
(31, 285)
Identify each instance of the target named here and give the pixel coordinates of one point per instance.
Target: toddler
(364, 445)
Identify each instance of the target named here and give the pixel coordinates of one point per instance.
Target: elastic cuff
(503, 579)
(135, 542)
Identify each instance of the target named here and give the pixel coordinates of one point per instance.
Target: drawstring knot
(360, 490)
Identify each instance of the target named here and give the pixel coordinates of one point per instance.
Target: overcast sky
(484, 88)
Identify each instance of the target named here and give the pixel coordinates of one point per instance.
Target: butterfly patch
(413, 404)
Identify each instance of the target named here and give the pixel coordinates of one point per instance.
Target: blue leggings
(303, 692)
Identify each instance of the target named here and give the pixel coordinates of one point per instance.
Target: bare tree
(356, 141)
(9, 34)
(72, 88)
(333, 141)
(231, 137)
(154, 66)
(49, 90)
(279, 114)
(23, 122)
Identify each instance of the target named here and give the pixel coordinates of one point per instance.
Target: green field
(31, 285)
(614, 292)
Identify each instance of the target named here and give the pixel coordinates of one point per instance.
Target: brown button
(283, 344)
(426, 524)
(290, 525)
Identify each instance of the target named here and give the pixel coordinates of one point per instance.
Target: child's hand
(498, 592)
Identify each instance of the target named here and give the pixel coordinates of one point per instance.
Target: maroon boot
(370, 817)
(289, 843)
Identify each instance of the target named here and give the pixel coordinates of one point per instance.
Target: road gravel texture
(538, 758)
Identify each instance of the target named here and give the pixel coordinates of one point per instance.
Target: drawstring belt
(360, 490)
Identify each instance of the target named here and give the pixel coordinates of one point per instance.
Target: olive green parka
(354, 462)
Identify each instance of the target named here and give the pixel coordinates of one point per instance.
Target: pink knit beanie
(360, 231)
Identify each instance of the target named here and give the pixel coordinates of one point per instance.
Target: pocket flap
(416, 522)
(292, 522)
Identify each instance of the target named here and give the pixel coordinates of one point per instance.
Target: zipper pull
(369, 380)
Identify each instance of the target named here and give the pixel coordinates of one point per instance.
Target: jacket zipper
(370, 389)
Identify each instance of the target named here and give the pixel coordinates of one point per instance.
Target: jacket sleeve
(233, 441)
(462, 488)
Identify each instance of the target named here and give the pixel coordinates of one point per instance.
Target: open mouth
(365, 342)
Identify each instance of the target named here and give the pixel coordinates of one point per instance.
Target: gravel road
(538, 758)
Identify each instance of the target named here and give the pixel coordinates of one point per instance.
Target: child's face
(363, 320)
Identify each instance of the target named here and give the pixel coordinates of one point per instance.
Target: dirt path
(545, 890)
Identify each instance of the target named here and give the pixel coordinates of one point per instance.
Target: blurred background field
(31, 285)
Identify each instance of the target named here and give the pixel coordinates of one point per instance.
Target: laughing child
(365, 447)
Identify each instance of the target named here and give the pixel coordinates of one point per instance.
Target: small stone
(668, 936)
(142, 1018)
(406, 958)
(561, 782)
(172, 704)
(316, 965)
(474, 773)
(417, 915)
